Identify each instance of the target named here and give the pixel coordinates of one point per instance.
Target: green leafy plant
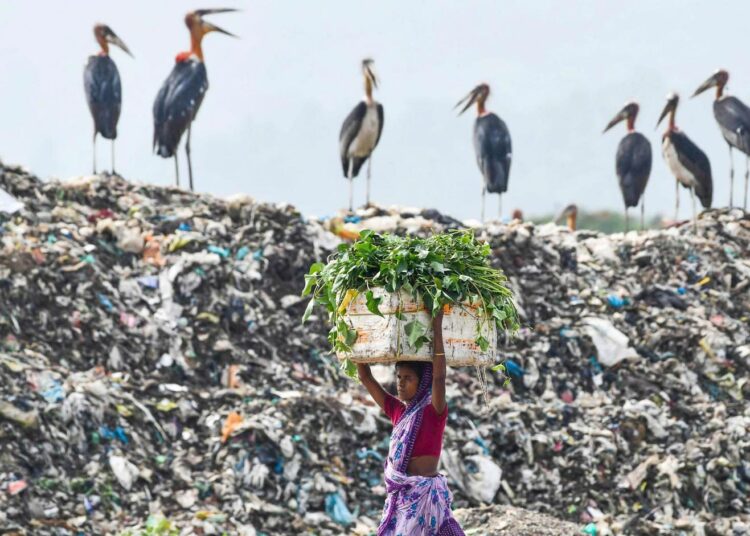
(444, 269)
(155, 526)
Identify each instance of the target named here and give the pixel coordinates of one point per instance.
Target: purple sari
(416, 505)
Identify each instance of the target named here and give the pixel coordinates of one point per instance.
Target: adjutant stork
(688, 163)
(361, 132)
(633, 161)
(101, 81)
(491, 144)
(182, 93)
(733, 117)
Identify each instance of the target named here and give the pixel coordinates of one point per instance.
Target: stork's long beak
(209, 27)
(469, 99)
(711, 82)
(621, 116)
(115, 40)
(372, 75)
(665, 112)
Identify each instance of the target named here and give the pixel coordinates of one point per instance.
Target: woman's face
(407, 383)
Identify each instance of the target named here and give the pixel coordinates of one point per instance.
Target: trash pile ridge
(152, 363)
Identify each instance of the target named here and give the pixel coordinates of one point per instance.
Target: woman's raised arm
(438, 365)
(376, 391)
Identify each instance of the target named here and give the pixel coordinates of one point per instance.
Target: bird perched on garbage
(361, 132)
(633, 161)
(570, 213)
(688, 163)
(101, 81)
(182, 93)
(733, 117)
(491, 144)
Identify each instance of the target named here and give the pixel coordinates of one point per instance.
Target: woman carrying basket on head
(418, 501)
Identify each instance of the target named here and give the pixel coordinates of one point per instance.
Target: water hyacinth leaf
(416, 333)
(483, 343)
(373, 303)
(500, 367)
(308, 310)
(349, 368)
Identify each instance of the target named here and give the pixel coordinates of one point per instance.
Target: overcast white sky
(269, 124)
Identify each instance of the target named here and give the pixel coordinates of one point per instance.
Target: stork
(689, 165)
(633, 161)
(181, 94)
(491, 144)
(733, 117)
(101, 82)
(361, 132)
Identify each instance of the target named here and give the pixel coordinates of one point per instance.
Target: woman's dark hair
(416, 366)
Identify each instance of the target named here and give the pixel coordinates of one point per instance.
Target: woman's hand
(438, 364)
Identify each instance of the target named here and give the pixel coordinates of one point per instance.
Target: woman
(418, 501)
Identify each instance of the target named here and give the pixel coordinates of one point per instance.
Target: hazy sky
(269, 125)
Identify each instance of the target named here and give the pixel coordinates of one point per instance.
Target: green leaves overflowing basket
(403, 281)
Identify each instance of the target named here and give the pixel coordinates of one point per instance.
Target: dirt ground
(502, 520)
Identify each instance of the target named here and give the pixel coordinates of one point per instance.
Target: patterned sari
(416, 505)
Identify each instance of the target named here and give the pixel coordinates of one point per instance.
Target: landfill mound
(152, 363)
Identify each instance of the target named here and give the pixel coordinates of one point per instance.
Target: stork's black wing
(101, 81)
(177, 104)
(381, 120)
(493, 148)
(734, 121)
(695, 161)
(633, 164)
(349, 130)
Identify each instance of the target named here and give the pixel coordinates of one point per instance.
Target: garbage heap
(152, 363)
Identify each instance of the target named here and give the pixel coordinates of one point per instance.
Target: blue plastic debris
(242, 253)
(185, 227)
(364, 453)
(54, 393)
(352, 219)
(110, 434)
(105, 302)
(595, 363)
(681, 291)
(513, 368)
(481, 442)
(337, 510)
(615, 301)
(258, 254)
(149, 281)
(222, 252)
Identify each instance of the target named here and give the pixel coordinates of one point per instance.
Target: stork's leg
(500, 207)
(747, 176)
(113, 157)
(643, 209)
(190, 164)
(367, 198)
(731, 178)
(677, 200)
(351, 184)
(695, 221)
(627, 220)
(484, 190)
(176, 170)
(94, 152)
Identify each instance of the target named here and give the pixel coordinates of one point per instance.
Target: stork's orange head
(718, 80)
(629, 112)
(199, 27)
(104, 36)
(477, 95)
